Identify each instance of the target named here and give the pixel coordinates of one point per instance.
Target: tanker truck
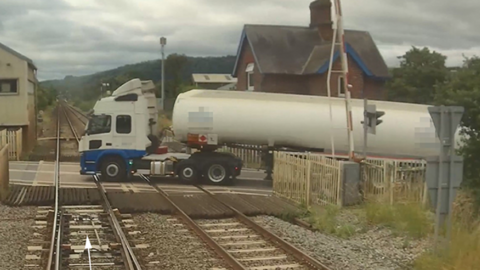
(120, 139)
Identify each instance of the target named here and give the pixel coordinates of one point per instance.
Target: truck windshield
(99, 124)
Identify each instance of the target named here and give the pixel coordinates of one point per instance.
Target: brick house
(295, 60)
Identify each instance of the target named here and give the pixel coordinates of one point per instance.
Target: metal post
(163, 42)
(439, 181)
(450, 184)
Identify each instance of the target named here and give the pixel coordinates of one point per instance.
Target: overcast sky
(78, 37)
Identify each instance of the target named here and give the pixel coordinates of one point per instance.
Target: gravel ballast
(375, 249)
(15, 230)
(172, 245)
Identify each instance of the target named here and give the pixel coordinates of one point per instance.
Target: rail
(127, 251)
(287, 247)
(199, 231)
(282, 244)
(74, 132)
(56, 232)
(80, 115)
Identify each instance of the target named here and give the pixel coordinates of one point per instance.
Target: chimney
(321, 18)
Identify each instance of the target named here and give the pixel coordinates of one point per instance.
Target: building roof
(17, 54)
(230, 86)
(299, 50)
(213, 78)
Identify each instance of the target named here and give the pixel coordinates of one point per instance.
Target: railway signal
(372, 118)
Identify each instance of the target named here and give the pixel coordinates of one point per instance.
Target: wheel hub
(216, 173)
(188, 172)
(112, 170)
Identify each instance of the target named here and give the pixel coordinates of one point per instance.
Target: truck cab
(118, 130)
(120, 141)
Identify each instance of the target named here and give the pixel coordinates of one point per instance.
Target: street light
(163, 42)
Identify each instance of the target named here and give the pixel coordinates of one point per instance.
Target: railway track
(241, 242)
(62, 230)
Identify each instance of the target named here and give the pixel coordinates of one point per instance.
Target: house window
(249, 71)
(341, 86)
(124, 124)
(9, 86)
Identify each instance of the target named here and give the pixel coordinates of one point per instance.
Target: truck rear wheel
(113, 169)
(217, 173)
(188, 172)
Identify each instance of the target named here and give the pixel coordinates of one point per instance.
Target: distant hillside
(89, 86)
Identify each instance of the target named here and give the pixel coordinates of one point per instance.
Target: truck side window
(99, 124)
(124, 124)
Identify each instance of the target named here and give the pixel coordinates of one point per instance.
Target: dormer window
(249, 73)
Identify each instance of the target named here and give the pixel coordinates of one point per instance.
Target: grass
(463, 251)
(326, 219)
(83, 105)
(406, 219)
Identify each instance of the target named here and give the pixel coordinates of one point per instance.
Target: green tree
(45, 97)
(420, 71)
(175, 65)
(463, 89)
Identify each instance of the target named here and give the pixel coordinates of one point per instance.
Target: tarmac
(41, 173)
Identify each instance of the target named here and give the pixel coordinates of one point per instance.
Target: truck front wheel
(217, 173)
(113, 169)
(188, 172)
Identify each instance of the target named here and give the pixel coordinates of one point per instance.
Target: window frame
(12, 81)
(116, 124)
(249, 71)
(109, 118)
(340, 89)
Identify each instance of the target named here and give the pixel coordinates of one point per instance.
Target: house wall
(19, 109)
(373, 89)
(30, 132)
(13, 106)
(285, 84)
(246, 57)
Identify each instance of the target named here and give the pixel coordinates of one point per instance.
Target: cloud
(76, 37)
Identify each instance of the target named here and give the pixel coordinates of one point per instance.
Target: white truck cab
(120, 140)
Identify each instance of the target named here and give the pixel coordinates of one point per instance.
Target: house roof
(213, 78)
(17, 54)
(298, 50)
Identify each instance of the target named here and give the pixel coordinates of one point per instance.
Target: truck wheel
(188, 172)
(217, 173)
(113, 169)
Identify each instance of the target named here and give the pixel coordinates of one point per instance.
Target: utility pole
(163, 42)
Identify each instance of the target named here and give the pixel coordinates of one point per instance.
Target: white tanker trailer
(301, 121)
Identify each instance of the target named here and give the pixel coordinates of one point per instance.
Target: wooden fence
(4, 169)
(307, 179)
(12, 137)
(396, 180)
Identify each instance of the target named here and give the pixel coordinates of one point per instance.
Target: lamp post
(163, 42)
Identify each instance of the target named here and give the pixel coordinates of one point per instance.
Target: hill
(88, 87)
